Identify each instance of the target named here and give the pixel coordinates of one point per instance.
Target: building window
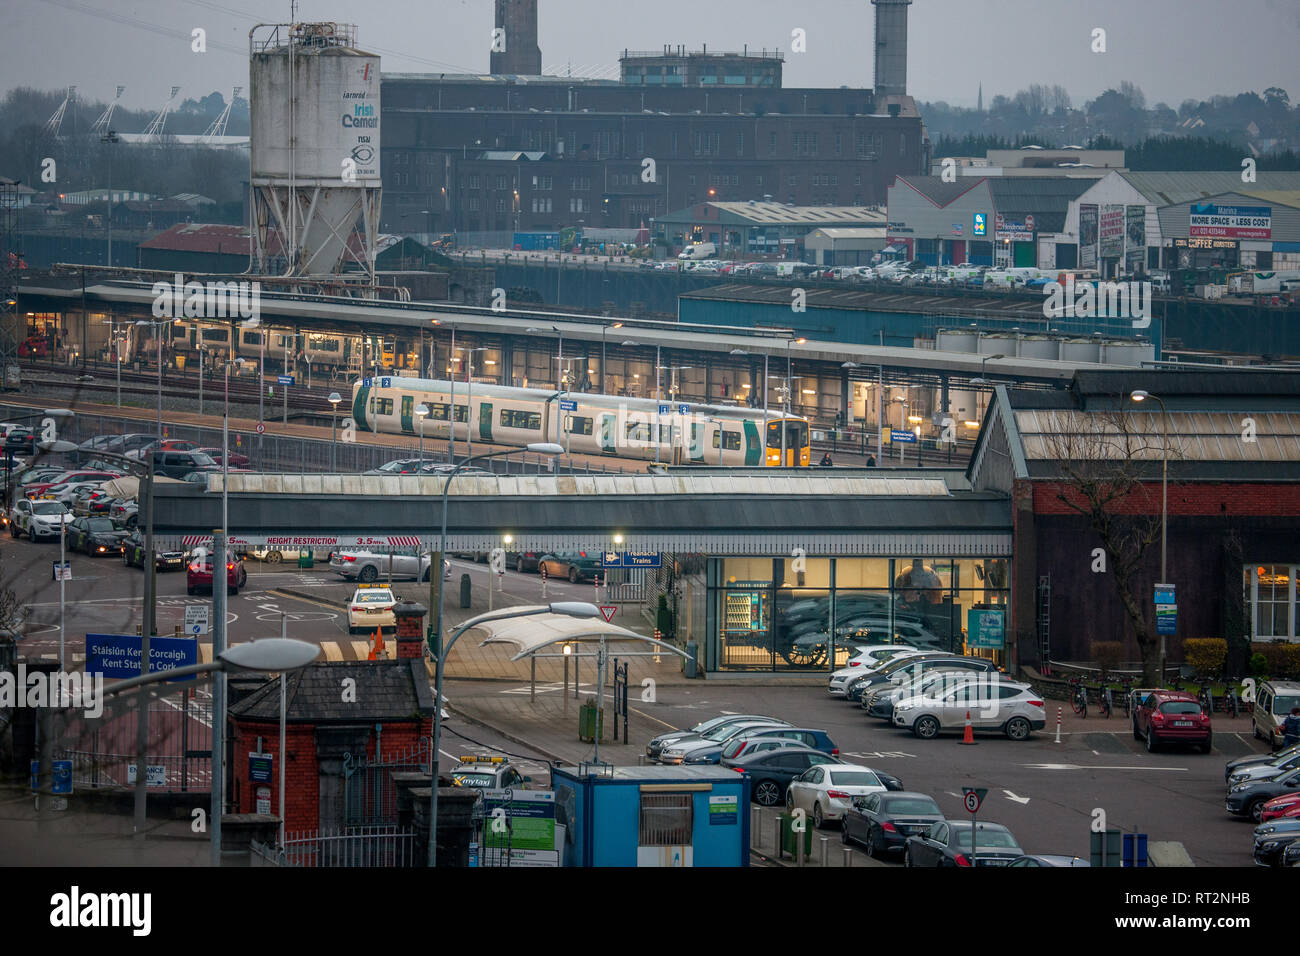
(771, 144)
(667, 819)
(857, 180)
(794, 181)
(690, 180)
(837, 143)
(902, 145)
(758, 180)
(740, 144)
(1270, 595)
(473, 204)
(501, 205)
(579, 204)
(542, 183)
(674, 142)
(474, 183)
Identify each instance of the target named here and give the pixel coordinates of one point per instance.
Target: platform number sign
(972, 797)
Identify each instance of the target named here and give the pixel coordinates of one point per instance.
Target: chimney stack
(410, 629)
(891, 47)
(522, 56)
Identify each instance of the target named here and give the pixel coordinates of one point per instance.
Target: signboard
(683, 409)
(1014, 231)
(722, 811)
(986, 627)
(1165, 594)
(568, 405)
(343, 542)
(259, 767)
(63, 571)
(1204, 243)
(972, 797)
(1230, 222)
(1135, 237)
(665, 409)
(261, 428)
(979, 225)
(155, 774)
(1166, 618)
(901, 435)
(284, 379)
(117, 656)
(957, 229)
(607, 611)
(642, 559)
(264, 800)
(196, 619)
(611, 559)
(1110, 231)
(530, 837)
(1088, 236)
(61, 774)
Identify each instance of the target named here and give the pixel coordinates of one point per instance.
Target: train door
(484, 421)
(359, 405)
(608, 436)
(408, 408)
(753, 445)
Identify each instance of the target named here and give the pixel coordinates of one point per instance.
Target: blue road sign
(642, 559)
(683, 409)
(900, 435)
(1166, 618)
(665, 409)
(62, 774)
(1165, 594)
(567, 405)
(284, 379)
(611, 559)
(117, 656)
(367, 383)
(259, 767)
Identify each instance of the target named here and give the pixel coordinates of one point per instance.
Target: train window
(383, 406)
(438, 412)
(730, 440)
(638, 431)
(576, 425)
(513, 418)
(322, 343)
(796, 434)
(216, 335)
(252, 338)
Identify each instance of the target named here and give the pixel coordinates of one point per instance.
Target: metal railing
(354, 847)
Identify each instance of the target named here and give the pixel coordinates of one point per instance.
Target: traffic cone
(969, 736)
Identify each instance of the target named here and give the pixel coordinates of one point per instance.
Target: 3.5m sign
(1231, 222)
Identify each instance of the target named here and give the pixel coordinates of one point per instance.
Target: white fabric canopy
(532, 634)
(128, 486)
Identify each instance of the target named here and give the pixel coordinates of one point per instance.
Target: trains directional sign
(284, 379)
(568, 405)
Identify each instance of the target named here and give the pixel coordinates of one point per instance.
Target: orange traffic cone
(969, 736)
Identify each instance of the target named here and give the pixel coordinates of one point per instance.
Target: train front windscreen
(796, 442)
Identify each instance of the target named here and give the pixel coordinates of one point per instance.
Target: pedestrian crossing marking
(332, 651)
(361, 649)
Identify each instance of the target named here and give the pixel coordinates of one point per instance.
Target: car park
(1009, 707)
(487, 773)
(38, 488)
(1247, 799)
(38, 519)
(679, 750)
(771, 772)
(368, 566)
(1241, 763)
(574, 565)
(133, 554)
(1273, 702)
(657, 744)
(98, 537)
(1171, 716)
(882, 822)
(962, 843)
(825, 793)
(903, 669)
(198, 575)
(371, 607)
(808, 737)
(1048, 859)
(1287, 805)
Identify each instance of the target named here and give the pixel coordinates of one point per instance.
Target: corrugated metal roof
(775, 214)
(1279, 197)
(939, 192)
(863, 232)
(1172, 188)
(1131, 435)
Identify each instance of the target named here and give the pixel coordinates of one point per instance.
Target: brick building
(1233, 507)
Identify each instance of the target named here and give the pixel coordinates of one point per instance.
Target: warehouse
(836, 246)
(757, 228)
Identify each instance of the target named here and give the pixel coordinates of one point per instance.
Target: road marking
(1012, 796)
(332, 651)
(361, 649)
(299, 616)
(1071, 766)
(877, 754)
(661, 723)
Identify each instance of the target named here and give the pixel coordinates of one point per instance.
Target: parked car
(67, 491)
(771, 772)
(882, 822)
(825, 792)
(1285, 806)
(1008, 707)
(816, 739)
(371, 607)
(1273, 702)
(1247, 799)
(869, 658)
(523, 560)
(97, 537)
(38, 488)
(178, 464)
(38, 519)
(1241, 763)
(161, 445)
(950, 843)
(1272, 841)
(133, 554)
(657, 744)
(128, 444)
(236, 460)
(1265, 771)
(880, 702)
(1049, 859)
(1171, 716)
(125, 513)
(288, 555)
(368, 566)
(398, 466)
(574, 565)
(93, 500)
(680, 749)
(903, 669)
(198, 575)
(20, 440)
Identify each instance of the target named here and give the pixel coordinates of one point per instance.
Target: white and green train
(582, 422)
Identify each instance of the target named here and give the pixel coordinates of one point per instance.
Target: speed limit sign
(972, 798)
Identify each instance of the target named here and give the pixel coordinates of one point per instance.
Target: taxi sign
(482, 759)
(382, 587)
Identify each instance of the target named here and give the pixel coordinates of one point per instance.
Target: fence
(354, 847)
(370, 799)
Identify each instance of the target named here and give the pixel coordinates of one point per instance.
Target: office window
(474, 183)
(740, 144)
(758, 180)
(501, 182)
(837, 144)
(473, 204)
(794, 181)
(542, 183)
(514, 418)
(501, 205)
(674, 142)
(813, 139)
(857, 180)
(902, 145)
(667, 819)
(690, 180)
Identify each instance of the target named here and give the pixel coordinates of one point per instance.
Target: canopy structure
(533, 634)
(128, 486)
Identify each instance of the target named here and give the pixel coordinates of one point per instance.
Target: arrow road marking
(1012, 796)
(1071, 766)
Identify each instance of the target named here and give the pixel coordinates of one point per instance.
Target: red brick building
(348, 725)
(1233, 515)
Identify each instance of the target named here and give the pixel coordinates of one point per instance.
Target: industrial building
(757, 228)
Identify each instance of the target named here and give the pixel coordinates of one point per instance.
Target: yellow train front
(584, 423)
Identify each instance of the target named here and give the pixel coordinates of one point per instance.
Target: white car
(67, 491)
(38, 519)
(866, 660)
(824, 792)
(369, 608)
(369, 566)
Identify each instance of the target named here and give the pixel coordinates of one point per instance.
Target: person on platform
(871, 461)
(826, 460)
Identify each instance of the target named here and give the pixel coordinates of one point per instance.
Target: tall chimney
(522, 56)
(891, 47)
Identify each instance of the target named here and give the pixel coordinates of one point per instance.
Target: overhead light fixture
(969, 424)
(915, 419)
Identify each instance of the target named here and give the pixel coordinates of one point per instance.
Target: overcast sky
(1172, 49)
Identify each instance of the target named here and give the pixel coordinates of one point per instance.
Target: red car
(1287, 805)
(1171, 716)
(39, 488)
(236, 460)
(199, 575)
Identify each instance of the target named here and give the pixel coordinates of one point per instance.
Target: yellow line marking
(662, 723)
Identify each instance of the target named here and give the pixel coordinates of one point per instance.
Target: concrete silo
(314, 151)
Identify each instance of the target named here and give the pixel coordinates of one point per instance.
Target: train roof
(587, 398)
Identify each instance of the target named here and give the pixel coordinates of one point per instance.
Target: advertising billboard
(1135, 237)
(1110, 231)
(1230, 222)
(1088, 236)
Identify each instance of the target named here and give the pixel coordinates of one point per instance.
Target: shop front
(778, 614)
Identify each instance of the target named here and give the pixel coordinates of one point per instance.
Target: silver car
(369, 566)
(678, 750)
(992, 702)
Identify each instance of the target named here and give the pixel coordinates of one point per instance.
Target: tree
(1276, 95)
(1104, 462)
(1133, 93)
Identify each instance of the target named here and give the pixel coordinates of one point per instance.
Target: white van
(1273, 702)
(698, 250)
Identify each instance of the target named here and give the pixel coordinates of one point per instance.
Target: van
(698, 250)
(1273, 702)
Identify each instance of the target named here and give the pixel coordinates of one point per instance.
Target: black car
(1273, 841)
(178, 464)
(122, 444)
(94, 535)
(882, 822)
(770, 772)
(1291, 855)
(948, 843)
(20, 441)
(1048, 859)
(1247, 799)
(523, 560)
(1256, 760)
(133, 553)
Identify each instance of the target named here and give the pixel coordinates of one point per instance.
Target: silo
(1083, 351)
(1040, 347)
(314, 150)
(1131, 352)
(955, 340)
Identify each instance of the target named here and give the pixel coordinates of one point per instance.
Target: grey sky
(1173, 49)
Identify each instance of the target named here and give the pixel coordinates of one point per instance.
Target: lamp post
(334, 399)
(110, 138)
(61, 446)
(603, 329)
(157, 331)
(421, 411)
(200, 349)
(469, 395)
(981, 380)
(1141, 395)
(435, 637)
(880, 415)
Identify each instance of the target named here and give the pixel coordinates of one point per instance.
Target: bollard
(848, 856)
(755, 821)
(1058, 725)
(776, 833)
(825, 843)
(464, 591)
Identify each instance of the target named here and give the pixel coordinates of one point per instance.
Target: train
(582, 422)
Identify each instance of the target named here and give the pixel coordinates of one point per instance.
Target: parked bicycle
(1126, 685)
(1078, 697)
(1231, 702)
(1206, 696)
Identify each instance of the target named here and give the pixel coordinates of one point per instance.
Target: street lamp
(57, 447)
(469, 394)
(603, 329)
(157, 326)
(334, 399)
(421, 412)
(980, 379)
(1141, 395)
(110, 138)
(435, 638)
(880, 415)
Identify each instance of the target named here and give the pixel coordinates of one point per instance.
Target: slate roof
(385, 690)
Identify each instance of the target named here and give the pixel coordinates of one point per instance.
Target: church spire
(979, 103)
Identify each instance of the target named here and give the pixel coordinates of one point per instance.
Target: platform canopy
(533, 634)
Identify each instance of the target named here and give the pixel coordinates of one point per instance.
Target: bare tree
(1104, 460)
(13, 614)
